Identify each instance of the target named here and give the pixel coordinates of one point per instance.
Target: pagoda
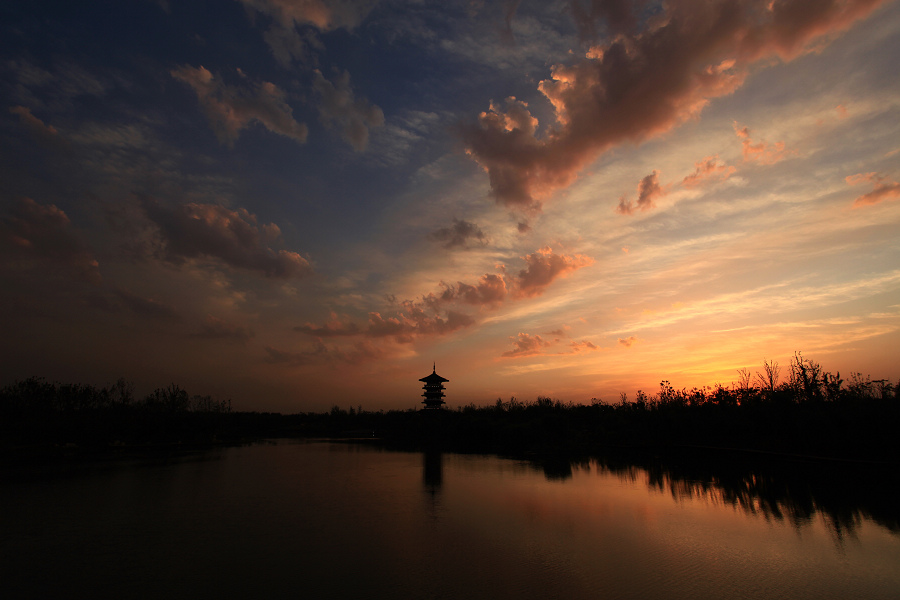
(434, 391)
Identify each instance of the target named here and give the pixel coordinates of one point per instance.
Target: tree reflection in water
(843, 494)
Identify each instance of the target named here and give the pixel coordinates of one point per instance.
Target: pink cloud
(526, 345)
(649, 191)
(354, 116)
(884, 189)
(233, 108)
(207, 230)
(762, 152)
(710, 169)
(33, 234)
(543, 267)
(441, 313)
(642, 84)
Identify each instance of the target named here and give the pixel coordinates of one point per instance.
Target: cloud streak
(883, 188)
(641, 85)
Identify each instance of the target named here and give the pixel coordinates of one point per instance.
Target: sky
(297, 204)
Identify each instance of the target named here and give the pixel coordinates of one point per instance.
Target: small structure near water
(434, 390)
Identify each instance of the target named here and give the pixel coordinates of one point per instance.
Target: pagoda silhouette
(434, 390)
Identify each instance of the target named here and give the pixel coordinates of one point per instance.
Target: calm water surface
(320, 520)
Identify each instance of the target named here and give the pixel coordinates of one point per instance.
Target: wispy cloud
(883, 188)
(710, 169)
(761, 152)
(526, 344)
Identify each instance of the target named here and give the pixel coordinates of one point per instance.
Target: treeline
(36, 414)
(810, 412)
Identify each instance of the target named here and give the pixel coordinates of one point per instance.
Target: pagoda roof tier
(433, 379)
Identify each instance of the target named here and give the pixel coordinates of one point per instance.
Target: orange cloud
(543, 267)
(883, 189)
(648, 189)
(641, 85)
(708, 170)
(232, 108)
(762, 152)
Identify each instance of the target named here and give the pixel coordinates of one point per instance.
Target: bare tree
(769, 379)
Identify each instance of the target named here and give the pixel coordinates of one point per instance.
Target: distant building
(434, 391)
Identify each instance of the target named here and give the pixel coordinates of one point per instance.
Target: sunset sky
(302, 203)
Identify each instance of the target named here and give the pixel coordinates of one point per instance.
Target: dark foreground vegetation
(811, 413)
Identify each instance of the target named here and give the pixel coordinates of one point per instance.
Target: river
(288, 519)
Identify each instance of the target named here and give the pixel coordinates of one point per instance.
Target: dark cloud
(210, 231)
(648, 190)
(214, 328)
(37, 127)
(286, 358)
(618, 16)
(460, 234)
(354, 354)
(642, 84)
(334, 327)
(354, 116)
(147, 307)
(232, 108)
(32, 234)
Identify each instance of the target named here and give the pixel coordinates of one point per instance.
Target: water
(319, 520)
